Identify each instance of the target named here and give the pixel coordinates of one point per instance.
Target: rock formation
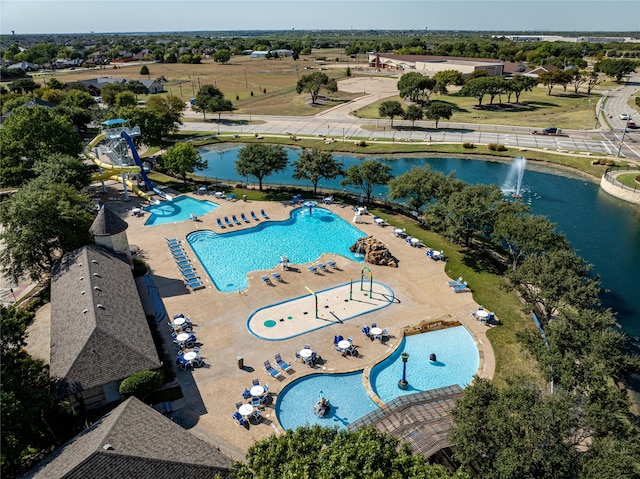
(375, 252)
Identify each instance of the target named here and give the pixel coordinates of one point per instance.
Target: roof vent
(97, 288)
(100, 306)
(85, 311)
(107, 447)
(94, 261)
(81, 278)
(82, 292)
(79, 265)
(96, 275)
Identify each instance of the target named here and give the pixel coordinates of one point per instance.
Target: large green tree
(32, 420)
(323, 453)
(437, 111)
(260, 161)
(222, 56)
(416, 87)
(313, 83)
(413, 113)
(41, 222)
(315, 164)
(168, 109)
(57, 168)
(30, 134)
(390, 108)
(367, 175)
(615, 68)
(515, 432)
(183, 158)
(477, 87)
(418, 186)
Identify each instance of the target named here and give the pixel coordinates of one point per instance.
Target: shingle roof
(420, 419)
(99, 332)
(107, 223)
(133, 441)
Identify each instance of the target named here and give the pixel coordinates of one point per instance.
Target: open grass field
(564, 110)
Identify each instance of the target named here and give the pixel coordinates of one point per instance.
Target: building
(95, 85)
(99, 331)
(429, 65)
(133, 441)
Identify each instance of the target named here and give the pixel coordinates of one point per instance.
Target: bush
(141, 384)
(466, 144)
(496, 147)
(638, 101)
(139, 267)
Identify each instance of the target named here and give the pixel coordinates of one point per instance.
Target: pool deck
(220, 319)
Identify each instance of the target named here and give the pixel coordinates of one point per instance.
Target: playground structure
(118, 137)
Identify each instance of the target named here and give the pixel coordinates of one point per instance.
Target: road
(340, 124)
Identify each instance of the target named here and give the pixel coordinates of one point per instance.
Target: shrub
(638, 101)
(139, 267)
(264, 91)
(141, 384)
(496, 147)
(466, 144)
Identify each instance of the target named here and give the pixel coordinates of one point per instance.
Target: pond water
(604, 230)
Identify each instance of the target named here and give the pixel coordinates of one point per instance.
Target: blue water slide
(138, 161)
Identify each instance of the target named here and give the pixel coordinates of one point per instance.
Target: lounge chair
(190, 276)
(244, 218)
(322, 267)
(184, 264)
(181, 259)
(271, 370)
(237, 417)
(226, 221)
(255, 382)
(253, 215)
(195, 284)
(264, 215)
(246, 394)
(456, 282)
(460, 287)
(282, 364)
(277, 277)
(313, 269)
(236, 220)
(266, 280)
(332, 264)
(256, 415)
(365, 331)
(219, 223)
(173, 240)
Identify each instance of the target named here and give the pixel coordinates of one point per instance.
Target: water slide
(111, 171)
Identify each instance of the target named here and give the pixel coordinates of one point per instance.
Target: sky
(84, 16)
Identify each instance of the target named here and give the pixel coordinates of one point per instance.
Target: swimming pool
(180, 209)
(349, 401)
(457, 362)
(305, 236)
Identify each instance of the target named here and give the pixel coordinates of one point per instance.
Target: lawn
(632, 180)
(564, 110)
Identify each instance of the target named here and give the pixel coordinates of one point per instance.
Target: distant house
(258, 54)
(536, 72)
(26, 66)
(99, 331)
(154, 86)
(133, 441)
(95, 85)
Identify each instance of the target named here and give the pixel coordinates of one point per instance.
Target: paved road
(340, 124)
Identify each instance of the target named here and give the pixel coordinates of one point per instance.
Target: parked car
(624, 116)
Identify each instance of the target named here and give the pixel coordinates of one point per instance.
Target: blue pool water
(179, 209)
(349, 401)
(457, 362)
(305, 236)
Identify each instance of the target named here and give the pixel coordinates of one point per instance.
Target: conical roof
(107, 223)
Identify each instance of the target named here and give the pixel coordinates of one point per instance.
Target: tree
(556, 279)
(206, 95)
(79, 99)
(261, 161)
(136, 87)
(23, 85)
(523, 234)
(615, 68)
(42, 222)
(367, 175)
(144, 70)
(437, 111)
(313, 83)
(551, 78)
(316, 164)
(390, 108)
(57, 168)
(317, 452)
(413, 113)
(448, 77)
(415, 86)
(222, 56)
(219, 104)
(519, 84)
(55, 84)
(169, 110)
(30, 134)
(515, 432)
(125, 98)
(477, 87)
(183, 158)
(419, 186)
(32, 420)
(109, 92)
(592, 81)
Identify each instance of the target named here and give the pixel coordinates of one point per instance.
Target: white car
(624, 116)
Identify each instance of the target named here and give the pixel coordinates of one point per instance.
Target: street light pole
(586, 125)
(624, 132)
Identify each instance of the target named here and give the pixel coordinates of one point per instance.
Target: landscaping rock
(375, 252)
